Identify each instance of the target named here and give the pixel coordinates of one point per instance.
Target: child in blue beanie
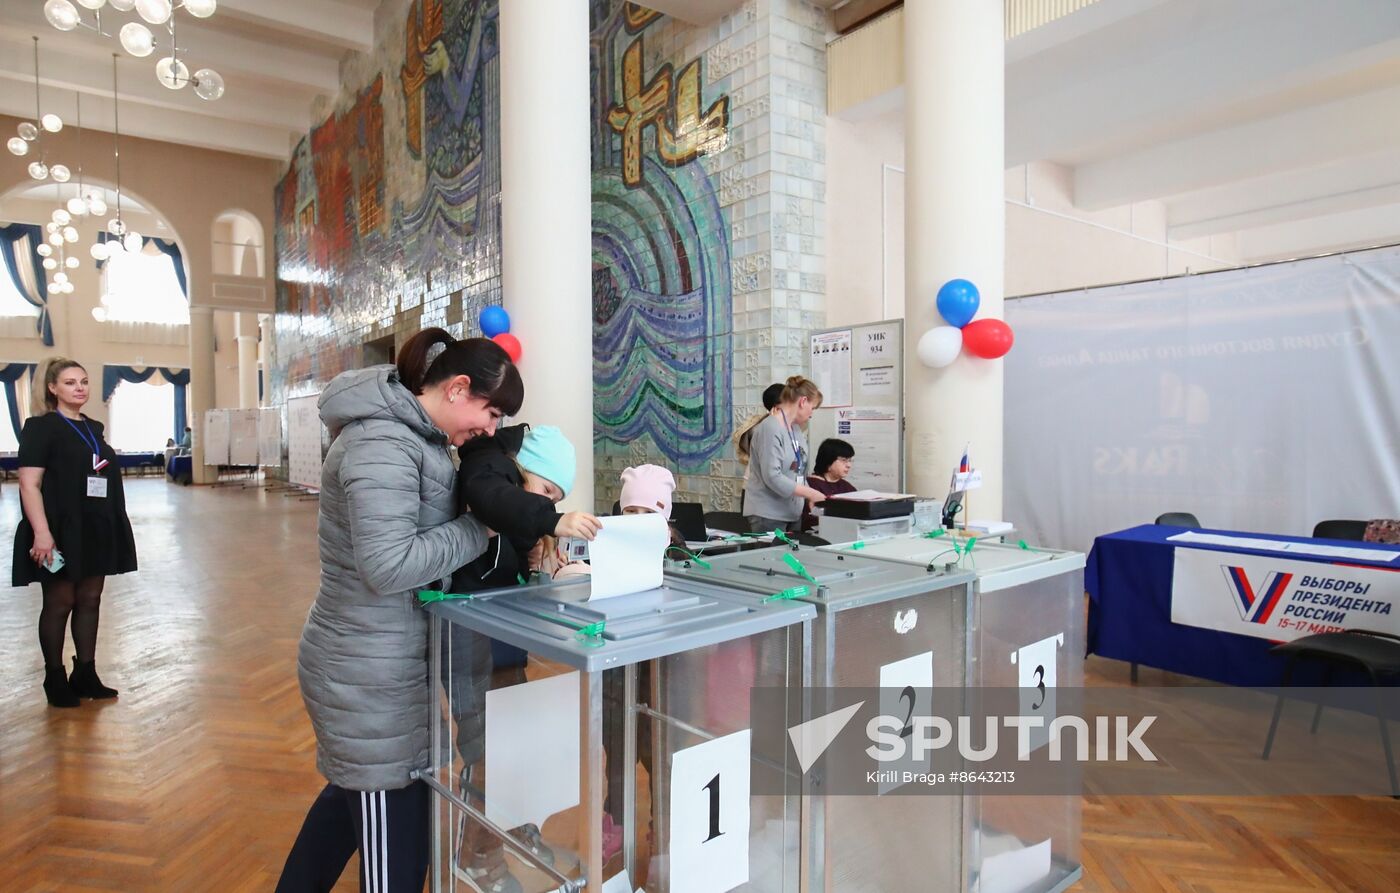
(511, 483)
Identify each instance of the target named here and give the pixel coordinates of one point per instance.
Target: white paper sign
(628, 555)
(1015, 870)
(831, 367)
(877, 381)
(905, 689)
(873, 432)
(1280, 598)
(710, 815)
(1036, 677)
(532, 750)
(880, 343)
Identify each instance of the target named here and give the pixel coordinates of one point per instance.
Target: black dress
(93, 533)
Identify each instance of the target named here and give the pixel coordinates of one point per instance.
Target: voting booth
(879, 625)
(1028, 617)
(532, 780)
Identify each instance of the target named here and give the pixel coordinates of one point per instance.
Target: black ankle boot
(57, 689)
(85, 683)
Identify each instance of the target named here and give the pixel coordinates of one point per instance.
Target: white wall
(1044, 251)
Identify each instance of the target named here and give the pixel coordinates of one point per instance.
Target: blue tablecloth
(180, 469)
(1129, 580)
(136, 460)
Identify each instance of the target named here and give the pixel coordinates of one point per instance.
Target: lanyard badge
(90, 440)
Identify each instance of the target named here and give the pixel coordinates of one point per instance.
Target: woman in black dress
(70, 485)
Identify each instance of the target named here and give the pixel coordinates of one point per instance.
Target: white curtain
(1263, 399)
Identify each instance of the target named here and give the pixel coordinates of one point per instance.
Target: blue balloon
(494, 320)
(958, 301)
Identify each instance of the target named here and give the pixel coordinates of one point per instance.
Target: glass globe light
(98, 251)
(201, 9)
(71, 262)
(208, 84)
(123, 5)
(67, 288)
(50, 264)
(44, 249)
(172, 73)
(96, 206)
(116, 227)
(154, 11)
(38, 170)
(56, 239)
(92, 4)
(60, 277)
(77, 207)
(99, 314)
(60, 173)
(136, 39)
(17, 146)
(62, 217)
(62, 14)
(51, 227)
(27, 131)
(51, 122)
(132, 241)
(70, 234)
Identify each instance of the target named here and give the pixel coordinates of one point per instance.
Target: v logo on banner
(1255, 605)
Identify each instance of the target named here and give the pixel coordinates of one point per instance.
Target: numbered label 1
(1035, 674)
(710, 815)
(905, 689)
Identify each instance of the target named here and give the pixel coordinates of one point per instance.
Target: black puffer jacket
(490, 486)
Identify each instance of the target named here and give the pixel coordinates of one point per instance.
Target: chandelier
(33, 132)
(122, 238)
(136, 38)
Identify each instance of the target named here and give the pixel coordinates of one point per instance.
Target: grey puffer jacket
(388, 527)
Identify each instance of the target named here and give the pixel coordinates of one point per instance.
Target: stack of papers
(871, 496)
(990, 528)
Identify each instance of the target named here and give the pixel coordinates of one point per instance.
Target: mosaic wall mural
(388, 214)
(662, 299)
(708, 195)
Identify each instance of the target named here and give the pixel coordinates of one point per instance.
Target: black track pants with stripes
(389, 828)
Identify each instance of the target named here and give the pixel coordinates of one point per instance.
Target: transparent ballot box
(1028, 615)
(881, 626)
(623, 746)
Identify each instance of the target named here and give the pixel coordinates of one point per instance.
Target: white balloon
(940, 346)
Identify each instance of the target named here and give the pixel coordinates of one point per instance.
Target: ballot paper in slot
(627, 555)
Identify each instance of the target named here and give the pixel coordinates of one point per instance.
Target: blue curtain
(169, 249)
(19, 246)
(9, 376)
(180, 378)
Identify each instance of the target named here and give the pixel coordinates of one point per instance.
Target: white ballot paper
(627, 555)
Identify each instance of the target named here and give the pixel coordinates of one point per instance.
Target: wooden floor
(198, 777)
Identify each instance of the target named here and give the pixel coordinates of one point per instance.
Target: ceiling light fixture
(33, 132)
(137, 38)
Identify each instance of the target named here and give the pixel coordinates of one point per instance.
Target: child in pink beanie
(647, 488)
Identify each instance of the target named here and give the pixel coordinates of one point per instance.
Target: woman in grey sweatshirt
(388, 526)
(779, 457)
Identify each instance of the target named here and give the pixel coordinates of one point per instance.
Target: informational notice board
(216, 434)
(860, 371)
(270, 437)
(304, 442)
(243, 437)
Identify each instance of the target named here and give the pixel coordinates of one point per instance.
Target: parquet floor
(198, 777)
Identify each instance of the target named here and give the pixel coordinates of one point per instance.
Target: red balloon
(510, 344)
(987, 338)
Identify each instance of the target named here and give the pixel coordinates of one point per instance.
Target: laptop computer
(689, 518)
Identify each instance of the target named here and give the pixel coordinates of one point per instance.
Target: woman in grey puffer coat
(388, 527)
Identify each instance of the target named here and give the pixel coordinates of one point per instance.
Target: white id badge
(97, 486)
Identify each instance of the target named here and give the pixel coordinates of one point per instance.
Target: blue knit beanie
(545, 451)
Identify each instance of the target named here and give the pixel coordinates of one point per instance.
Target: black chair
(1340, 530)
(1376, 653)
(617, 508)
(1169, 519)
(1177, 519)
(734, 522)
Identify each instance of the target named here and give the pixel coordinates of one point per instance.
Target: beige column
(201, 385)
(955, 227)
(246, 327)
(546, 217)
